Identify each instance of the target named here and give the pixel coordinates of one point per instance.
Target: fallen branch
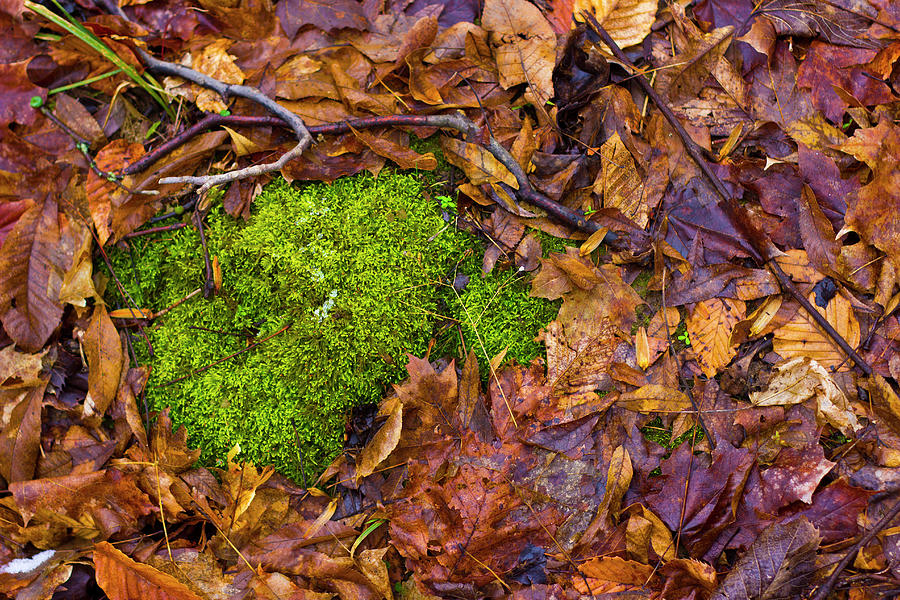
(226, 90)
(825, 589)
(761, 247)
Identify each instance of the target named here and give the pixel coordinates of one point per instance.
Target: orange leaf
(124, 579)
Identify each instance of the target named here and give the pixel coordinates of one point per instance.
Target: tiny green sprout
(447, 203)
(179, 210)
(590, 212)
(152, 129)
(847, 124)
(82, 146)
(685, 338)
(225, 112)
(36, 102)
(111, 177)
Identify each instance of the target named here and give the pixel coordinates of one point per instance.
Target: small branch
(152, 230)
(826, 588)
(224, 358)
(761, 247)
(304, 139)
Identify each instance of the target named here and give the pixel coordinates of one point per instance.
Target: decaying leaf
(619, 182)
(802, 337)
(121, 578)
(779, 562)
(628, 22)
(710, 324)
(524, 46)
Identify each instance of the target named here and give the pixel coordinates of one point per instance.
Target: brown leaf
(477, 163)
(32, 276)
(401, 154)
(686, 73)
(121, 578)
(16, 90)
(789, 550)
(551, 281)
(106, 359)
(802, 337)
(524, 46)
(382, 443)
(654, 398)
(611, 574)
(21, 435)
(104, 197)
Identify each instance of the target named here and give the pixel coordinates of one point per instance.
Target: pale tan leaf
(612, 574)
(801, 336)
(20, 370)
(524, 46)
(799, 379)
(709, 325)
(619, 182)
(686, 73)
(122, 578)
(77, 285)
(618, 479)
(372, 565)
(654, 398)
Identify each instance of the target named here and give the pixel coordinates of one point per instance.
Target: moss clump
(359, 271)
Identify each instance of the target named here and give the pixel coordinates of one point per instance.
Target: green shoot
(69, 24)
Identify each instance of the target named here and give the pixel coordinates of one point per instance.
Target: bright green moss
(359, 271)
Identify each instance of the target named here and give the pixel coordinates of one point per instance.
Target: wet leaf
(105, 357)
(32, 276)
(710, 324)
(779, 562)
(628, 22)
(121, 578)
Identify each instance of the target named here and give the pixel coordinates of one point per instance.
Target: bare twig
(760, 245)
(152, 230)
(826, 587)
(224, 358)
(304, 139)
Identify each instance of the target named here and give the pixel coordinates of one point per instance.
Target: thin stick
(826, 588)
(760, 245)
(304, 139)
(224, 358)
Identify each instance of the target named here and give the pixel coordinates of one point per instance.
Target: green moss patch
(359, 271)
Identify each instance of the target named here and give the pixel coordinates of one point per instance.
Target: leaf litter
(541, 483)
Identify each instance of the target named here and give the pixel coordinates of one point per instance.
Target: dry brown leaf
(214, 60)
(476, 162)
(801, 336)
(524, 46)
(642, 348)
(382, 443)
(31, 279)
(613, 574)
(619, 183)
(122, 578)
(103, 349)
(709, 325)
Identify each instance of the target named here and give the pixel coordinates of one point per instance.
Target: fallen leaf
(710, 324)
(121, 578)
(789, 550)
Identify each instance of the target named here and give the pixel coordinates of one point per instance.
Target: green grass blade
(70, 25)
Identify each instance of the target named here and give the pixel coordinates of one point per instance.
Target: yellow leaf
(642, 348)
(627, 22)
(654, 398)
(131, 313)
(524, 46)
(801, 336)
(242, 144)
(709, 325)
(477, 163)
(619, 182)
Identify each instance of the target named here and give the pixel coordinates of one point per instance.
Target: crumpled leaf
(800, 379)
(524, 46)
(779, 562)
(619, 182)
